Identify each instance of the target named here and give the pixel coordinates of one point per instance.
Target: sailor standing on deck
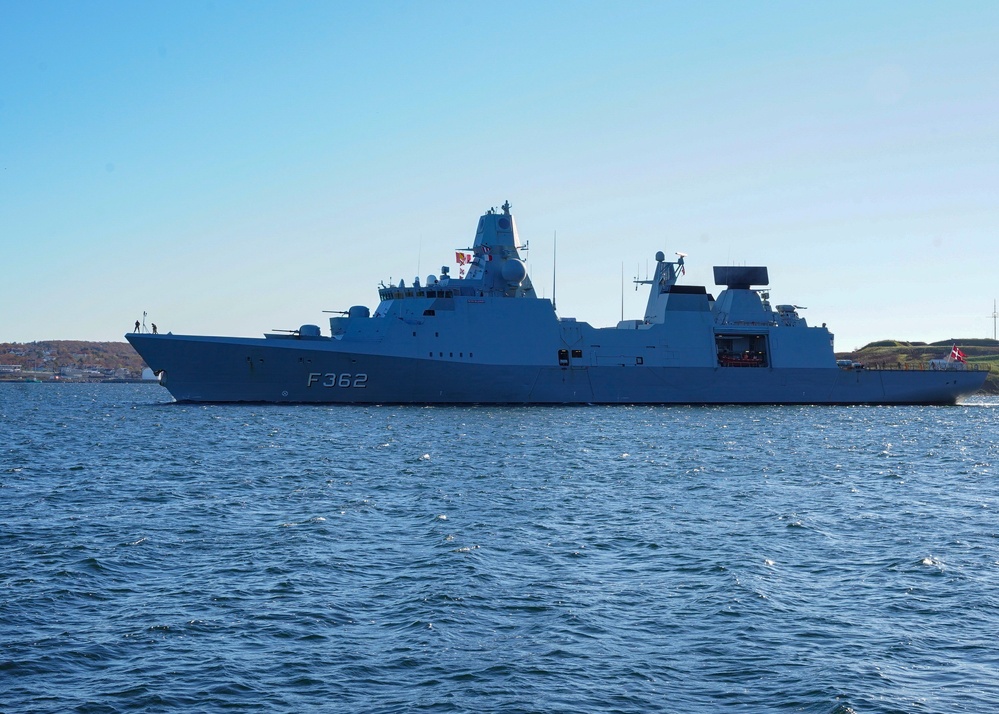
(136, 326)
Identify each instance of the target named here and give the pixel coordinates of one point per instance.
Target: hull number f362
(332, 379)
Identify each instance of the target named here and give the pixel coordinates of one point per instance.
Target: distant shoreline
(70, 361)
(64, 380)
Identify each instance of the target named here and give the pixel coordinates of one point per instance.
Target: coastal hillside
(71, 360)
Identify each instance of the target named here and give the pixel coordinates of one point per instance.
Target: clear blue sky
(235, 167)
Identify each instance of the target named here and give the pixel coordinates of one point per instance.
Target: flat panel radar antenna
(741, 276)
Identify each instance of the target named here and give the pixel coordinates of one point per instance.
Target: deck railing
(921, 367)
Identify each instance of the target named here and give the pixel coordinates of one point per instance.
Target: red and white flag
(957, 355)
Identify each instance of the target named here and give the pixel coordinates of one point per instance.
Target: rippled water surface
(159, 557)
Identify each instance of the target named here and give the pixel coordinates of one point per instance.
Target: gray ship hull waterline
(488, 338)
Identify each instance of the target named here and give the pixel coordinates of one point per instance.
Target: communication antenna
(554, 256)
(622, 291)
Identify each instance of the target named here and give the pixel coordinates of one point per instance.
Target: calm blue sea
(157, 557)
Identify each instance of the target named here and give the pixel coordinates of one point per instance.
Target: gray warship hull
(226, 369)
(488, 339)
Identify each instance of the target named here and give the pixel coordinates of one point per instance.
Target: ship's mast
(666, 276)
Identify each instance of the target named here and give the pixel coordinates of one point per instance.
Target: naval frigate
(487, 337)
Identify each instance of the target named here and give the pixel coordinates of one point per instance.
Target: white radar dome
(514, 271)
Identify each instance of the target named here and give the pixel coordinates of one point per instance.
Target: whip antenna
(554, 257)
